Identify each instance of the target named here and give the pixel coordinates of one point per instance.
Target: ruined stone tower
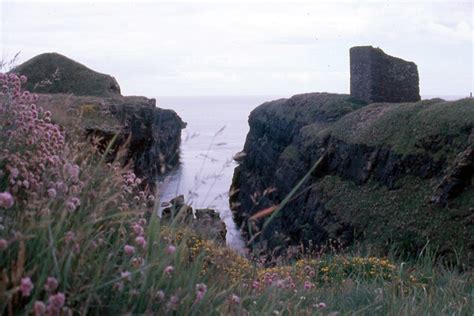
(378, 77)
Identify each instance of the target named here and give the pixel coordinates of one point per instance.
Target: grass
(109, 252)
(428, 126)
(401, 216)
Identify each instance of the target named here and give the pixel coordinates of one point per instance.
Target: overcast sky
(245, 47)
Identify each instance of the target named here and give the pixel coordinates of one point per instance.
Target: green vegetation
(402, 217)
(82, 236)
(55, 73)
(409, 128)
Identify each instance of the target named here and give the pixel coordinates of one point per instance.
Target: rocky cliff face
(150, 136)
(80, 97)
(389, 174)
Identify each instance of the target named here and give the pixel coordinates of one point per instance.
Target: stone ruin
(378, 77)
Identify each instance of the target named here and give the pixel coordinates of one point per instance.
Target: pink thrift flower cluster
(33, 148)
(6, 200)
(132, 188)
(274, 279)
(201, 290)
(55, 303)
(26, 286)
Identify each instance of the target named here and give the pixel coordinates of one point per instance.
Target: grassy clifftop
(55, 73)
(409, 128)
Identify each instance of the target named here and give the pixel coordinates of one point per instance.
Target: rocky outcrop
(369, 174)
(149, 136)
(55, 73)
(145, 136)
(378, 77)
(205, 222)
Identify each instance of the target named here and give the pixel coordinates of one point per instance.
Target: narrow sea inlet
(216, 130)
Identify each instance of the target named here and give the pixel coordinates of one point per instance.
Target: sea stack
(378, 77)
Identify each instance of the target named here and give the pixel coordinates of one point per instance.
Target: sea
(216, 130)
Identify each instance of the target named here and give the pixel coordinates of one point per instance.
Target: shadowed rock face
(78, 96)
(150, 136)
(378, 77)
(55, 73)
(395, 174)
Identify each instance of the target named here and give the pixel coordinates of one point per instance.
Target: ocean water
(215, 132)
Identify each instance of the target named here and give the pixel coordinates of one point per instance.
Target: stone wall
(378, 77)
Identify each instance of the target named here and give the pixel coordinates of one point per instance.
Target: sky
(187, 48)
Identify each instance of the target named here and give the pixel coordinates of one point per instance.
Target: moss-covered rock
(55, 73)
(389, 174)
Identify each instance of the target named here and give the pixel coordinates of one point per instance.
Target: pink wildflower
(138, 229)
(170, 249)
(140, 241)
(169, 270)
(160, 295)
(173, 302)
(73, 171)
(308, 285)
(26, 286)
(3, 244)
(51, 284)
(6, 200)
(129, 250)
(126, 275)
(71, 207)
(52, 193)
(14, 173)
(201, 290)
(322, 305)
(255, 285)
(39, 308)
(57, 301)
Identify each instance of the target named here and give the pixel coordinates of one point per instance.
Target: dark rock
(206, 222)
(55, 73)
(378, 77)
(458, 178)
(149, 136)
(379, 165)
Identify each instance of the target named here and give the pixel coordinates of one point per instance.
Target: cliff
(80, 97)
(389, 174)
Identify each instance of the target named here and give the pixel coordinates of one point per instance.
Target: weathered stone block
(378, 77)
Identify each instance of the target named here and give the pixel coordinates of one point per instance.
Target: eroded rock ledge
(80, 97)
(392, 174)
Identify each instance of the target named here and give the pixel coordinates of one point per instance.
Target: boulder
(378, 77)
